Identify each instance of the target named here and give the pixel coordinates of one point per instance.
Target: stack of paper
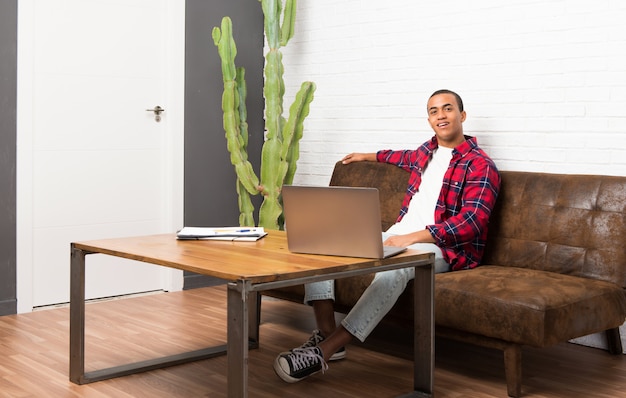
(222, 233)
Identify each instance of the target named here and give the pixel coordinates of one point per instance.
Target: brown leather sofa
(554, 267)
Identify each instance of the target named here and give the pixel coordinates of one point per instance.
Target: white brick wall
(543, 81)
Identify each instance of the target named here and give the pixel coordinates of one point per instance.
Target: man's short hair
(459, 101)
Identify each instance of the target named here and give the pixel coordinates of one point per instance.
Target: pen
(243, 230)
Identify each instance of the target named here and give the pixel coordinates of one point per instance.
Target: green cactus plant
(281, 150)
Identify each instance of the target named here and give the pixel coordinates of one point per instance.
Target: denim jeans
(378, 298)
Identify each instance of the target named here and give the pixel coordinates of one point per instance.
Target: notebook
(245, 234)
(338, 221)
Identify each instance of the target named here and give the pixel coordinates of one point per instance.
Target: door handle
(157, 112)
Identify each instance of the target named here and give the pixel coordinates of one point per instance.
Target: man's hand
(359, 157)
(423, 236)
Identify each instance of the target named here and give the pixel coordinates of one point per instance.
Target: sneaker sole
(338, 356)
(281, 373)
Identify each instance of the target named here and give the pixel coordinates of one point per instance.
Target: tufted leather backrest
(569, 224)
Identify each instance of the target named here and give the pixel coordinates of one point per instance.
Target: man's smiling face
(446, 119)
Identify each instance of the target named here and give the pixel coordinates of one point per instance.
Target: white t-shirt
(421, 211)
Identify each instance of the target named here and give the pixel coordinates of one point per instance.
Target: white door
(92, 161)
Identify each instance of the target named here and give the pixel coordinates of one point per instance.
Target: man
(452, 189)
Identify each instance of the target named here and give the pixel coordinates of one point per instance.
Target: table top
(266, 260)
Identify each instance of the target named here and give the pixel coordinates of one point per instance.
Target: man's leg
(376, 301)
(325, 316)
(321, 296)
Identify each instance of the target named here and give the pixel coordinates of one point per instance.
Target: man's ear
(463, 116)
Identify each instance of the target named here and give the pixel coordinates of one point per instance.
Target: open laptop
(338, 221)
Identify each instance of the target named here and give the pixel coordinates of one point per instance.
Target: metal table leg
(77, 315)
(237, 344)
(423, 335)
(423, 343)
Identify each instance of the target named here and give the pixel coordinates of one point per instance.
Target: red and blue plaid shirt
(468, 194)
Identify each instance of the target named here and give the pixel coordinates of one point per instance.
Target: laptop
(337, 221)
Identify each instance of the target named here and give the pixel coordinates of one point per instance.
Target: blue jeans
(378, 298)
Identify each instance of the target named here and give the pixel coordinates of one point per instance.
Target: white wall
(543, 81)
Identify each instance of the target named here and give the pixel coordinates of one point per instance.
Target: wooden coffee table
(249, 267)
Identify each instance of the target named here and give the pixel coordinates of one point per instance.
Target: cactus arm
(294, 128)
(223, 40)
(246, 208)
(242, 91)
(225, 43)
(289, 21)
(246, 172)
(274, 87)
(271, 15)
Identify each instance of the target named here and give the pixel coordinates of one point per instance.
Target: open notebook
(339, 221)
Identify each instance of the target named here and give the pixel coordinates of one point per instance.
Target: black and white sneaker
(299, 364)
(316, 338)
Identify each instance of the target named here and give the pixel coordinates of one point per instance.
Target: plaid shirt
(468, 194)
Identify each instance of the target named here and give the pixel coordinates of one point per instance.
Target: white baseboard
(598, 340)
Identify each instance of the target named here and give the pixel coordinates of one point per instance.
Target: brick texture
(544, 82)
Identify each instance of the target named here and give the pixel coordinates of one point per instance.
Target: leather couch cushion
(526, 306)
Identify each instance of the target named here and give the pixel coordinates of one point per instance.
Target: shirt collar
(462, 149)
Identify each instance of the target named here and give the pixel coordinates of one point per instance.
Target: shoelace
(306, 357)
(313, 340)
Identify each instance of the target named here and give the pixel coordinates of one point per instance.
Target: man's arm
(422, 236)
(359, 157)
